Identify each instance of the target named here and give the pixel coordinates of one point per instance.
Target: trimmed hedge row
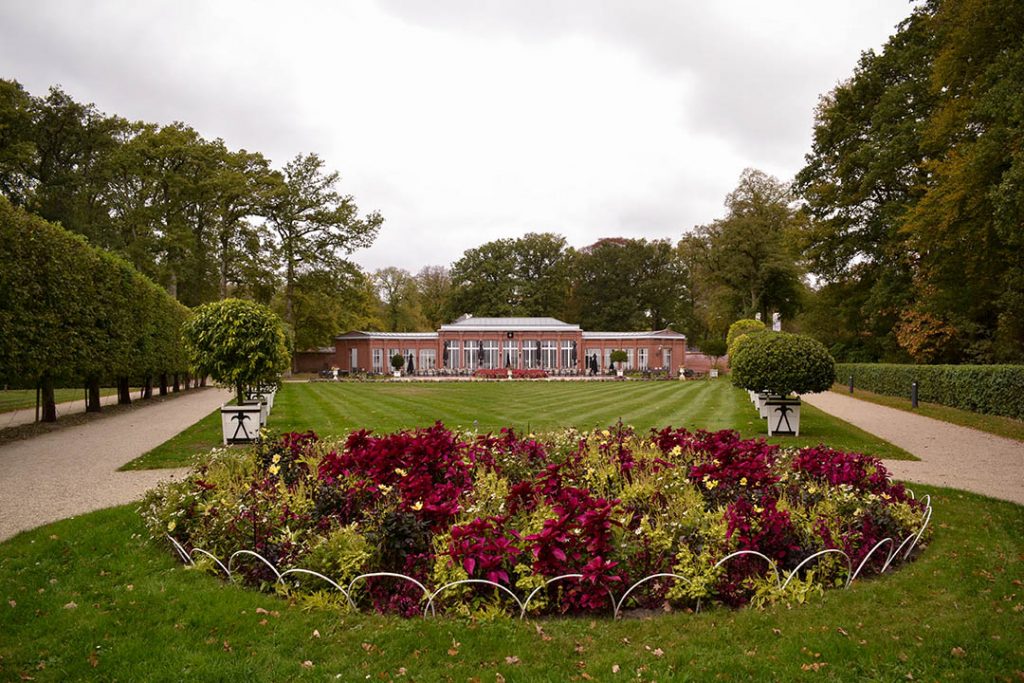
(75, 315)
(993, 389)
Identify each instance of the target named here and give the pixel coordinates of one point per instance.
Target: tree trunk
(163, 383)
(240, 393)
(49, 404)
(147, 389)
(176, 386)
(124, 392)
(202, 381)
(92, 400)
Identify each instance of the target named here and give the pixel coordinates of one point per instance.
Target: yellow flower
(171, 525)
(400, 472)
(711, 483)
(385, 489)
(273, 469)
(418, 505)
(276, 459)
(743, 481)
(605, 432)
(676, 450)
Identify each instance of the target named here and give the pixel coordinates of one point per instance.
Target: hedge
(72, 314)
(993, 389)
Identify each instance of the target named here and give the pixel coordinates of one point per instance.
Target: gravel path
(951, 455)
(72, 471)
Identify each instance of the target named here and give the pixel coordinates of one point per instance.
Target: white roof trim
(657, 334)
(387, 335)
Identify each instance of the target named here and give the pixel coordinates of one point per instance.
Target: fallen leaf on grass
(512, 660)
(498, 678)
(658, 652)
(71, 605)
(94, 661)
(316, 633)
(307, 664)
(814, 666)
(263, 622)
(957, 652)
(615, 668)
(841, 631)
(260, 610)
(227, 646)
(24, 676)
(777, 631)
(12, 603)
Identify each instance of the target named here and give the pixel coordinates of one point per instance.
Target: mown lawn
(16, 399)
(92, 599)
(993, 424)
(334, 408)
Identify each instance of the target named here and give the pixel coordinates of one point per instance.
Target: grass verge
(334, 408)
(92, 598)
(993, 424)
(18, 399)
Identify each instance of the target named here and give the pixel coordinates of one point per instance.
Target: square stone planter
(241, 424)
(783, 416)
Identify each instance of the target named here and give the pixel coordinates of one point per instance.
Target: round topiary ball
(782, 363)
(741, 327)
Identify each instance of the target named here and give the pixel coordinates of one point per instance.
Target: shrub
(237, 343)
(397, 361)
(993, 389)
(740, 328)
(610, 505)
(782, 363)
(618, 356)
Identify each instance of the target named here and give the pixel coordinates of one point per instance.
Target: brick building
(472, 343)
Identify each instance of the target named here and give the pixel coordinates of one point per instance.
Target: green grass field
(16, 399)
(334, 408)
(993, 424)
(91, 599)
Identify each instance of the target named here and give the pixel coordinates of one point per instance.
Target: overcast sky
(465, 121)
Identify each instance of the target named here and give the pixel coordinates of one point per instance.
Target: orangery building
(471, 344)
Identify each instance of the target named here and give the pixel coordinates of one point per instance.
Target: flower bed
(710, 516)
(502, 373)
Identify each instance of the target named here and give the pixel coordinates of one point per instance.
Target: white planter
(714, 373)
(783, 416)
(761, 409)
(619, 373)
(264, 411)
(753, 396)
(240, 424)
(509, 374)
(396, 373)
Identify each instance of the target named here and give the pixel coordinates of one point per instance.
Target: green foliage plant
(782, 363)
(619, 356)
(397, 361)
(237, 343)
(992, 389)
(740, 328)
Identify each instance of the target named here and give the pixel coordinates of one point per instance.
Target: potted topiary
(239, 344)
(714, 348)
(618, 356)
(782, 364)
(397, 361)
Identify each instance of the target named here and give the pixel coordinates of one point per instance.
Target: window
(428, 359)
(607, 358)
(568, 351)
(470, 352)
(451, 357)
(642, 358)
(549, 354)
(509, 355)
(378, 360)
(391, 354)
(593, 356)
(531, 353)
(490, 354)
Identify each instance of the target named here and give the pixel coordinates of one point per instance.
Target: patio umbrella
(508, 360)
(444, 356)
(574, 358)
(480, 353)
(411, 368)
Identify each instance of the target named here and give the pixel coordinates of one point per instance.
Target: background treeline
(901, 240)
(202, 220)
(75, 315)
(915, 184)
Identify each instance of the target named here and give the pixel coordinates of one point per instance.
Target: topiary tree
(740, 328)
(397, 362)
(237, 343)
(715, 348)
(782, 363)
(618, 356)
